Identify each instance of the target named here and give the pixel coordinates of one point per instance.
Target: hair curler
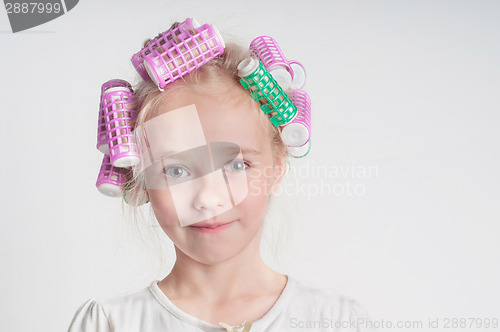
(264, 89)
(118, 115)
(164, 40)
(288, 74)
(189, 50)
(110, 179)
(298, 132)
(271, 56)
(135, 197)
(300, 151)
(102, 136)
(299, 75)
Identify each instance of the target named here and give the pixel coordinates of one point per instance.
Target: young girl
(210, 161)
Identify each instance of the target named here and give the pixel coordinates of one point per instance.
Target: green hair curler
(265, 90)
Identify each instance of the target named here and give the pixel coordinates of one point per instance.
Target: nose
(212, 197)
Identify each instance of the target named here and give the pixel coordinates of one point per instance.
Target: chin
(213, 258)
(218, 253)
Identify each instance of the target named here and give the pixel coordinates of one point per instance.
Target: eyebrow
(235, 149)
(250, 150)
(242, 149)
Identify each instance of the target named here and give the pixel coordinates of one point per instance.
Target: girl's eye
(175, 172)
(238, 165)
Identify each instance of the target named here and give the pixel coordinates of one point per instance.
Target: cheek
(163, 207)
(259, 181)
(253, 209)
(256, 201)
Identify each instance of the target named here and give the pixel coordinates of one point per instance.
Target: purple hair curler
(135, 198)
(300, 151)
(111, 179)
(118, 116)
(298, 131)
(102, 136)
(164, 40)
(288, 74)
(271, 56)
(188, 51)
(299, 75)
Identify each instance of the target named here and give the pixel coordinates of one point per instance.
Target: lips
(210, 229)
(212, 224)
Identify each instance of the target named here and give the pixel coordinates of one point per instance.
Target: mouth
(212, 227)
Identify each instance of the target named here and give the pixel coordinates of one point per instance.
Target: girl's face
(232, 118)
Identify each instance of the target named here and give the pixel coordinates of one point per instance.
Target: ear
(280, 169)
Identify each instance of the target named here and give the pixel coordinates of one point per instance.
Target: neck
(241, 275)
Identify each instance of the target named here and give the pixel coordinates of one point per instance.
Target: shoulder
(131, 299)
(98, 315)
(305, 292)
(90, 317)
(310, 303)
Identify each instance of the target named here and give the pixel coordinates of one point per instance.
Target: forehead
(227, 116)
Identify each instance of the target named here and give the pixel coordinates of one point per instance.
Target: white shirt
(300, 307)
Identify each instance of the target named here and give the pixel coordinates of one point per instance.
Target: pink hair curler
(190, 50)
(164, 40)
(111, 179)
(300, 151)
(136, 198)
(298, 131)
(299, 75)
(102, 136)
(271, 56)
(118, 116)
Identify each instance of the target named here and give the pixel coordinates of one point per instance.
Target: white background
(409, 88)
